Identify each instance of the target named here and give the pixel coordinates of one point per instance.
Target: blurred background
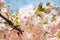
(17, 4)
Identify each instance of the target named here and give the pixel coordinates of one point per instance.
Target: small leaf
(17, 13)
(38, 14)
(37, 11)
(43, 10)
(46, 21)
(16, 20)
(39, 8)
(48, 4)
(9, 6)
(7, 15)
(58, 35)
(40, 5)
(54, 17)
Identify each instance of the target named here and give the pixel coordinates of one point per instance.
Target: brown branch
(10, 23)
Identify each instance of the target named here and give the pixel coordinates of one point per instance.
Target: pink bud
(48, 9)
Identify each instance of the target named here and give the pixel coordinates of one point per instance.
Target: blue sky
(17, 4)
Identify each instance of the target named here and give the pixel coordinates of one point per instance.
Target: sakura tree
(30, 22)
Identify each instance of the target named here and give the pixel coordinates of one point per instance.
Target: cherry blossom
(48, 9)
(58, 25)
(37, 23)
(58, 11)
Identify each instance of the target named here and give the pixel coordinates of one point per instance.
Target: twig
(10, 23)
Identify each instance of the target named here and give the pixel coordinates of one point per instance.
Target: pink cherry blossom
(48, 9)
(1, 2)
(52, 35)
(32, 25)
(58, 25)
(39, 32)
(52, 5)
(51, 28)
(58, 11)
(12, 35)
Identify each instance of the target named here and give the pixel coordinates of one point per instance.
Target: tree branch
(10, 23)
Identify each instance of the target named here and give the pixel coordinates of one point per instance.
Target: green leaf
(58, 35)
(40, 9)
(43, 10)
(17, 13)
(16, 20)
(54, 17)
(9, 6)
(7, 15)
(46, 21)
(48, 4)
(40, 5)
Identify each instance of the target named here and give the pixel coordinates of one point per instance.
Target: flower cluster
(38, 23)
